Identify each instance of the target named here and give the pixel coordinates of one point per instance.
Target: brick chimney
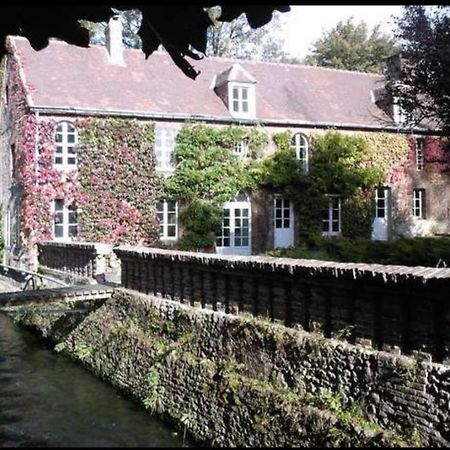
(114, 44)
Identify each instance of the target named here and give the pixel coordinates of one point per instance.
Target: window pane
(59, 231)
(235, 94)
(73, 230)
(72, 217)
(245, 106)
(171, 231)
(278, 223)
(325, 226)
(286, 223)
(244, 93)
(335, 226)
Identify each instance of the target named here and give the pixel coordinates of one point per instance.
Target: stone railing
(395, 308)
(82, 259)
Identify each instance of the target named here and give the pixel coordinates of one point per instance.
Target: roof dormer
(236, 87)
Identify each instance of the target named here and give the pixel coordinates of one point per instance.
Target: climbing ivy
(209, 174)
(118, 183)
(336, 167)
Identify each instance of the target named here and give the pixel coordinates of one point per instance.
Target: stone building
(62, 84)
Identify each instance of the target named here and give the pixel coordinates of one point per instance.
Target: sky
(304, 23)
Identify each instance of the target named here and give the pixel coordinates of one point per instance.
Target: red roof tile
(67, 76)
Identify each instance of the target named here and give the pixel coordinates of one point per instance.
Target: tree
(237, 39)
(349, 46)
(131, 21)
(421, 83)
(181, 30)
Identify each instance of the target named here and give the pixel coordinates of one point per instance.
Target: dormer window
(242, 100)
(236, 87)
(241, 149)
(301, 147)
(66, 138)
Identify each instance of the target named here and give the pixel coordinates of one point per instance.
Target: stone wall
(393, 308)
(83, 259)
(236, 381)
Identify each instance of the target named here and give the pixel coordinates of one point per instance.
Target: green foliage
(131, 21)
(154, 387)
(200, 218)
(237, 39)
(60, 347)
(83, 351)
(209, 174)
(424, 87)
(337, 167)
(349, 46)
(357, 214)
(429, 252)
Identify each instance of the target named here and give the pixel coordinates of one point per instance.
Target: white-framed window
(419, 154)
(167, 212)
(65, 224)
(240, 149)
(241, 100)
(283, 213)
(165, 149)
(66, 138)
(331, 218)
(382, 202)
(419, 203)
(300, 145)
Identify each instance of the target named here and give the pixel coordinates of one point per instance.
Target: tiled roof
(65, 76)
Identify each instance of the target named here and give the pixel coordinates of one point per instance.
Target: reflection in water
(47, 400)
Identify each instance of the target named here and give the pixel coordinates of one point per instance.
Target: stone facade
(395, 308)
(235, 381)
(437, 185)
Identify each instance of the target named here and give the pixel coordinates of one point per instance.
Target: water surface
(47, 400)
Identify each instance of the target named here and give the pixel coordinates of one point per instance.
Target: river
(47, 400)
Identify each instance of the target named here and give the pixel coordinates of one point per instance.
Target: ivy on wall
(209, 174)
(115, 186)
(336, 167)
(117, 181)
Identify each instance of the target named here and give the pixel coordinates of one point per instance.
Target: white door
(380, 225)
(235, 236)
(283, 222)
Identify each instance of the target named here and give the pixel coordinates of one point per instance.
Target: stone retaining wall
(238, 381)
(392, 308)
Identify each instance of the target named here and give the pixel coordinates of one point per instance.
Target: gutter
(224, 120)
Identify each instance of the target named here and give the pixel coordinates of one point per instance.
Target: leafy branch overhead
(182, 30)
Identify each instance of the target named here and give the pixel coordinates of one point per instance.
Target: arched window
(66, 138)
(301, 146)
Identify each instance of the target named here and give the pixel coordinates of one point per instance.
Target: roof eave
(50, 110)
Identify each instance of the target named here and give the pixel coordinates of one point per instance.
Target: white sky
(304, 24)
